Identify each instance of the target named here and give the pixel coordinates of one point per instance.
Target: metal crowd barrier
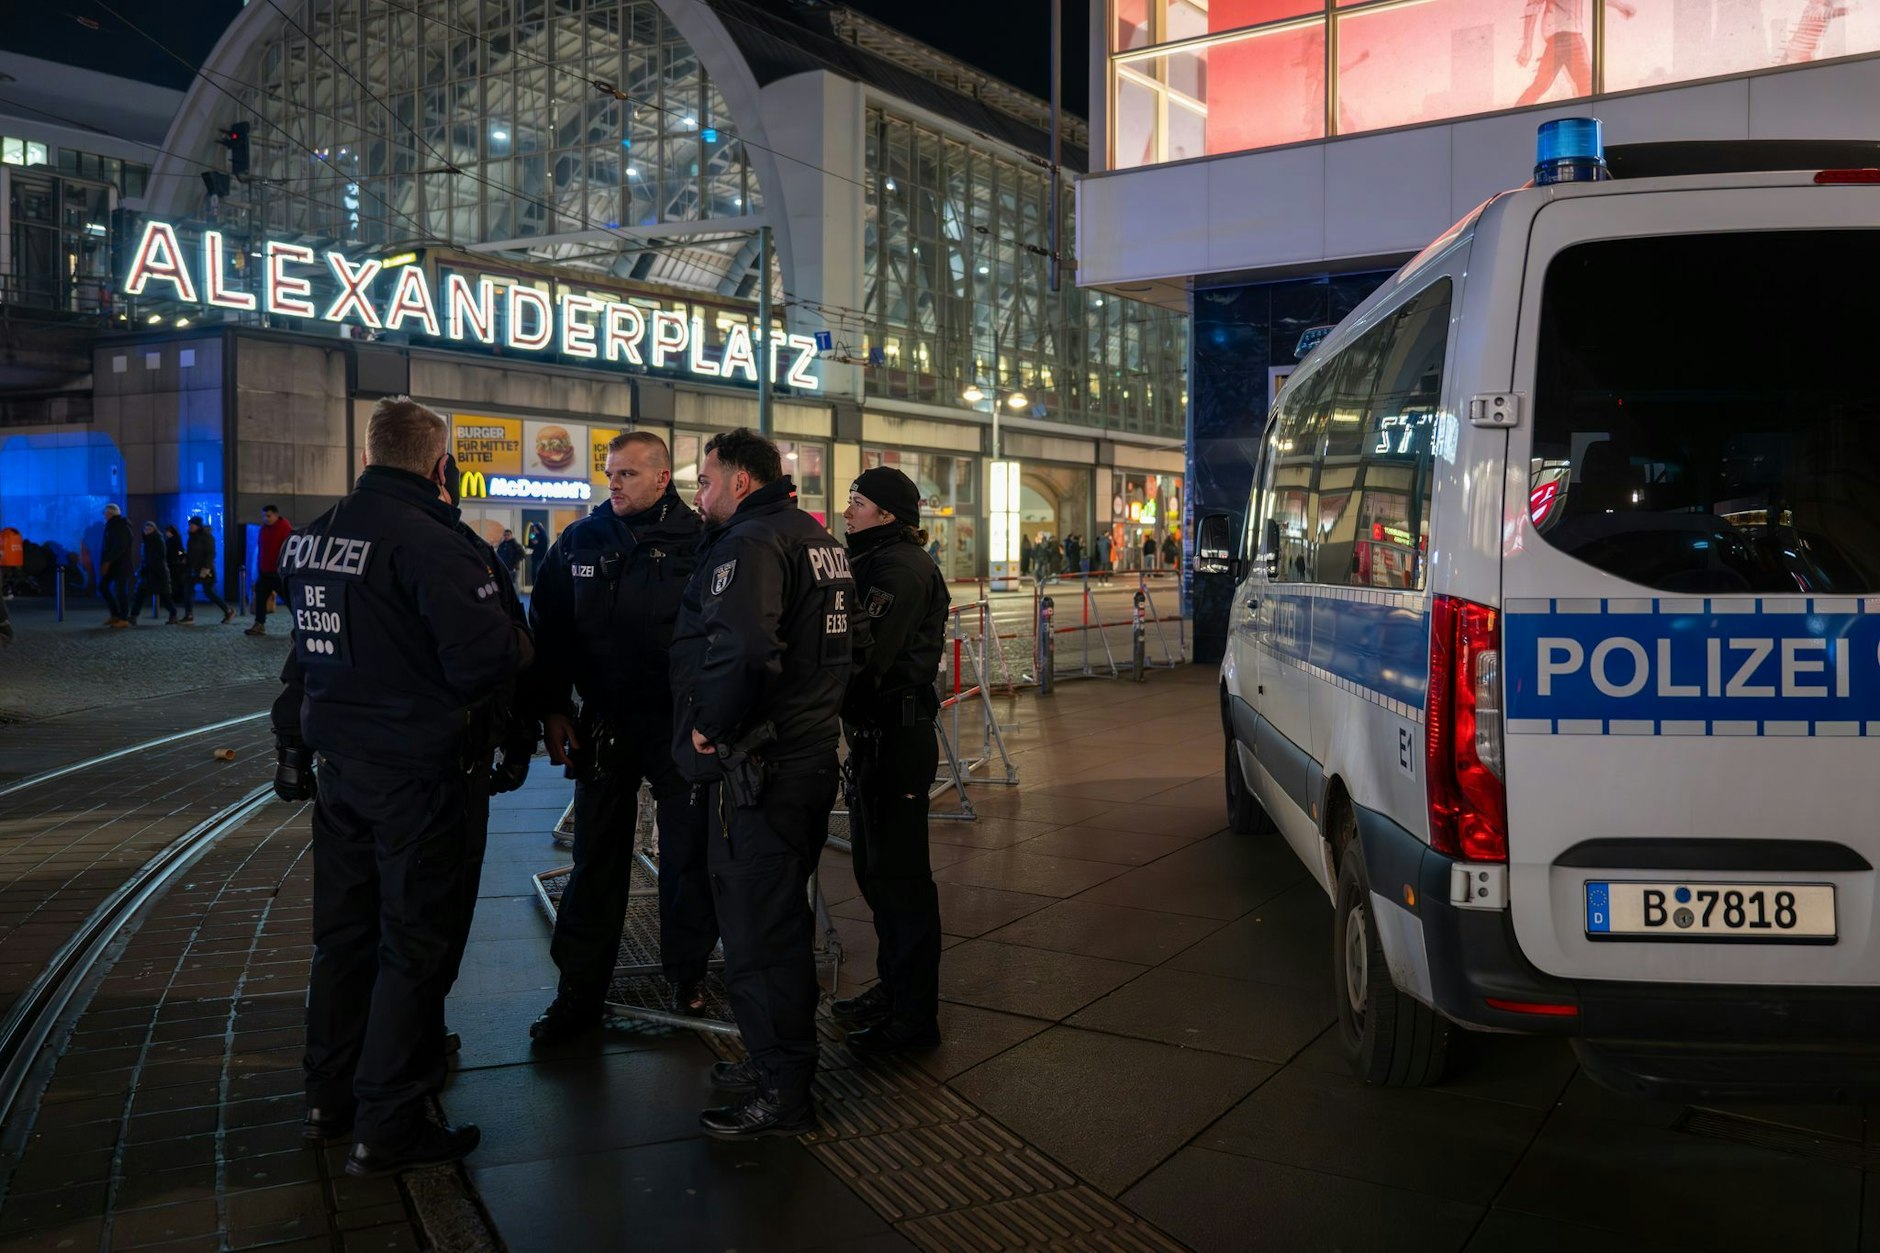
(1144, 616)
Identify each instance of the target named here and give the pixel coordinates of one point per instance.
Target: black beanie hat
(887, 488)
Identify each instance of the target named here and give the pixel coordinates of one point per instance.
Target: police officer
(603, 610)
(899, 630)
(400, 637)
(499, 740)
(761, 658)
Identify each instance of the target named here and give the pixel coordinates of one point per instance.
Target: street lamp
(972, 395)
(1017, 401)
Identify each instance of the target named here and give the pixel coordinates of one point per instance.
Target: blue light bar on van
(1570, 150)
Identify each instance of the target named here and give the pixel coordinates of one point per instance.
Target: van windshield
(1707, 411)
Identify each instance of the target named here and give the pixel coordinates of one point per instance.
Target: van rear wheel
(1390, 1040)
(1245, 815)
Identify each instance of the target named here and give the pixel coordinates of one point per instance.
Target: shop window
(1250, 91)
(22, 152)
(1647, 44)
(803, 462)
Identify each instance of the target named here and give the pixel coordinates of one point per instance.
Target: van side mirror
(1214, 545)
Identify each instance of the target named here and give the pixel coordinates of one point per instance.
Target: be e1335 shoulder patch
(879, 601)
(722, 576)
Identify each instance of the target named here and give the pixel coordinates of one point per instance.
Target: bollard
(1047, 646)
(58, 593)
(1138, 640)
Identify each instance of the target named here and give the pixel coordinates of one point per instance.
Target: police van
(1555, 634)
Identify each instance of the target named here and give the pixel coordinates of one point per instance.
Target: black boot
(739, 1076)
(430, 1147)
(872, 1004)
(767, 1113)
(892, 1035)
(562, 1022)
(326, 1124)
(688, 997)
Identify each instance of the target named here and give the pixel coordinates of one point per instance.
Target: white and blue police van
(1555, 640)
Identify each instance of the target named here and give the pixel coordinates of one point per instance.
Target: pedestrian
(274, 532)
(201, 563)
(1073, 553)
(1103, 553)
(1024, 555)
(177, 559)
(117, 562)
(510, 553)
(538, 550)
(1148, 550)
(760, 663)
(153, 576)
(899, 629)
(1171, 553)
(400, 638)
(602, 613)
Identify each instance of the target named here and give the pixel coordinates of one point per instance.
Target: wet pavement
(1137, 1010)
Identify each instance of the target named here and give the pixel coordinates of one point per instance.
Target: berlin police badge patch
(879, 601)
(721, 576)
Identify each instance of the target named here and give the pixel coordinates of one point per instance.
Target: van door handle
(1253, 602)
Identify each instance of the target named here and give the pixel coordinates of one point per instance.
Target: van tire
(1245, 815)
(1390, 1040)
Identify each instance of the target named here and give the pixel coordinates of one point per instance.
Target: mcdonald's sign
(477, 485)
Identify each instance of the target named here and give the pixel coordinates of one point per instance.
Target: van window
(1353, 467)
(1705, 413)
(1292, 497)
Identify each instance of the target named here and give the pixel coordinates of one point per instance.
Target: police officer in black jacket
(900, 628)
(603, 610)
(400, 639)
(760, 661)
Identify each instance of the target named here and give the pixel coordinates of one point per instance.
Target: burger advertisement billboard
(554, 450)
(514, 459)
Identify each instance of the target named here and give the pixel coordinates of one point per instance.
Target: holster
(604, 751)
(744, 765)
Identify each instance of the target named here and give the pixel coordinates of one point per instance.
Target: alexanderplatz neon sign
(465, 311)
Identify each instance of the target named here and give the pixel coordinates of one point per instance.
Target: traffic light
(235, 139)
(216, 182)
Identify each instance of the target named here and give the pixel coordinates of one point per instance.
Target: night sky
(1007, 38)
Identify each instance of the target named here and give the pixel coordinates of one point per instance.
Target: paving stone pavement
(55, 668)
(1137, 1012)
(171, 1116)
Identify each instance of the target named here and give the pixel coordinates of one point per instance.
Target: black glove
(293, 768)
(512, 764)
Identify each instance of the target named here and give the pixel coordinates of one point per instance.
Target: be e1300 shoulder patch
(722, 576)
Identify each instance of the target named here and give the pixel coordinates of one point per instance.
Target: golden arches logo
(472, 484)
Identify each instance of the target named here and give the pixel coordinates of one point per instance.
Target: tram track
(30, 1021)
(40, 813)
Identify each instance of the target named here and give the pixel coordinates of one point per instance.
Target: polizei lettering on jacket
(1811, 661)
(325, 554)
(829, 564)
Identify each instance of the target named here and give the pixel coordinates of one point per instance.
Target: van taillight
(1846, 177)
(1462, 736)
